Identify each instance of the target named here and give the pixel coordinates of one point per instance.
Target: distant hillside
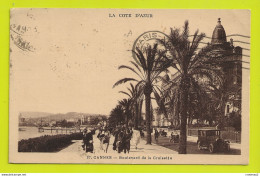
(57, 117)
(35, 114)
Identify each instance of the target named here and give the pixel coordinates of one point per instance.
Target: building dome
(219, 35)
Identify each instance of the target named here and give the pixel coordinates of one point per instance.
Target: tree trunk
(148, 118)
(210, 118)
(183, 114)
(147, 93)
(140, 112)
(223, 108)
(136, 115)
(177, 112)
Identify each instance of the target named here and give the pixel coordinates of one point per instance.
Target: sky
(73, 56)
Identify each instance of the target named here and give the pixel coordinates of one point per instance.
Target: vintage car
(210, 139)
(163, 133)
(175, 137)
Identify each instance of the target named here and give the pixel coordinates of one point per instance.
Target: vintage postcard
(129, 86)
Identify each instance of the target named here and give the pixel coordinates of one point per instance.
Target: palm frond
(151, 56)
(124, 80)
(138, 68)
(123, 92)
(141, 58)
(133, 89)
(130, 68)
(160, 103)
(185, 33)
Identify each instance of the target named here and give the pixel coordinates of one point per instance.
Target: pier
(59, 130)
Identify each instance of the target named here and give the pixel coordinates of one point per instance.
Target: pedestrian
(84, 139)
(131, 131)
(172, 137)
(156, 135)
(120, 141)
(136, 137)
(115, 134)
(141, 133)
(101, 138)
(106, 140)
(126, 140)
(88, 141)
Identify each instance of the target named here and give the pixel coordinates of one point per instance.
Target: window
(228, 108)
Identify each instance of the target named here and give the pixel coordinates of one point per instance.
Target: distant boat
(22, 129)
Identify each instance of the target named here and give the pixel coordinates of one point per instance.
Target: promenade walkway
(76, 147)
(75, 154)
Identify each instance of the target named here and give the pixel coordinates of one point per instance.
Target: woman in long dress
(136, 138)
(101, 136)
(106, 140)
(120, 141)
(88, 141)
(126, 141)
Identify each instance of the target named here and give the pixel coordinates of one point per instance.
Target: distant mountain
(59, 116)
(69, 115)
(35, 114)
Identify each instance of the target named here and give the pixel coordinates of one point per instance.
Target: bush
(48, 143)
(76, 136)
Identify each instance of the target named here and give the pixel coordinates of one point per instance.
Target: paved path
(75, 154)
(76, 147)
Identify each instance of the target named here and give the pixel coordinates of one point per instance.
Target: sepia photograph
(129, 86)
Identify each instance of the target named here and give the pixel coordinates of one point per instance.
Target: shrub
(76, 136)
(47, 143)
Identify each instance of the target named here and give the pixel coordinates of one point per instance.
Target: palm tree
(116, 116)
(191, 71)
(126, 104)
(147, 66)
(136, 96)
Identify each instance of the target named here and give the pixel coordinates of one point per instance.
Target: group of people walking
(123, 138)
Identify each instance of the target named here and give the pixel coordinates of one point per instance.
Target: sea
(32, 132)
